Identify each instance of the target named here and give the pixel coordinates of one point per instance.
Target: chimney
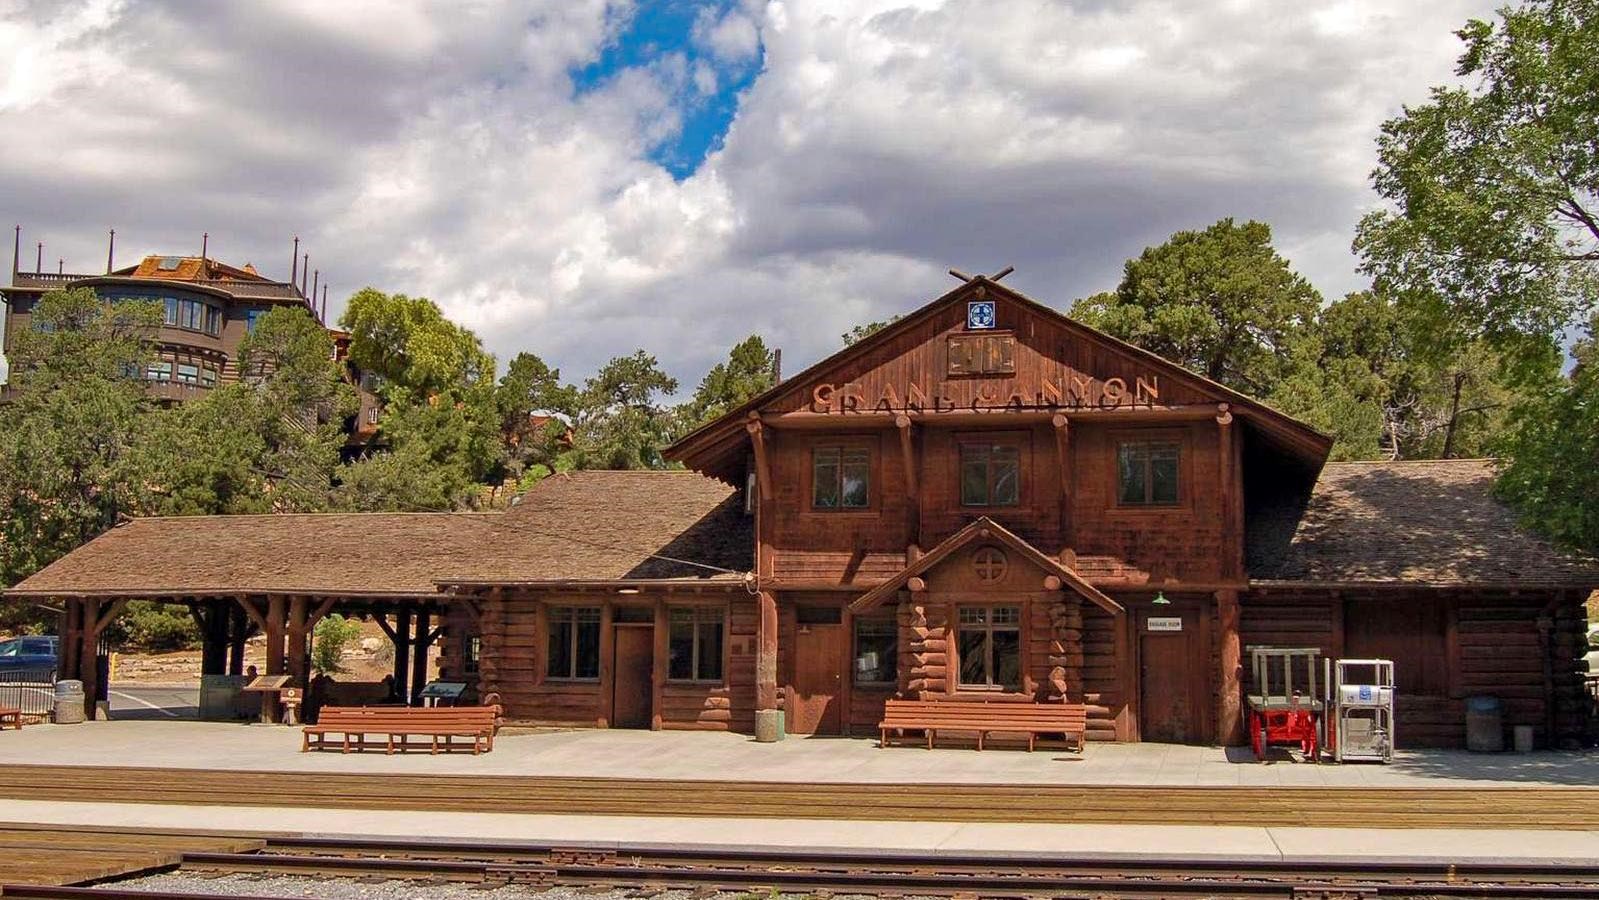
(110, 251)
(38, 261)
(777, 366)
(61, 266)
(294, 270)
(315, 277)
(205, 246)
(324, 304)
(305, 272)
(16, 252)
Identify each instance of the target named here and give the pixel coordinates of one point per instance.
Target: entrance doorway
(816, 704)
(634, 667)
(1168, 709)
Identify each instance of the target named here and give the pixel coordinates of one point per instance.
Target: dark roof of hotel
(1422, 522)
(585, 526)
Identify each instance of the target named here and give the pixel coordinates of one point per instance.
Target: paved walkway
(697, 755)
(1103, 841)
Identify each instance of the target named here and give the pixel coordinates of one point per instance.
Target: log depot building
(953, 507)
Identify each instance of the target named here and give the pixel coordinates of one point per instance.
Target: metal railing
(31, 690)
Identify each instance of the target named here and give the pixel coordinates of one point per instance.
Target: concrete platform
(1098, 841)
(698, 755)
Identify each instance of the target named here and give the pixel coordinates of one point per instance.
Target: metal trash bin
(69, 702)
(1522, 738)
(1485, 724)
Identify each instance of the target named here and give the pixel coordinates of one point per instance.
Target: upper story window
(192, 315)
(574, 642)
(1147, 473)
(991, 474)
(251, 316)
(841, 478)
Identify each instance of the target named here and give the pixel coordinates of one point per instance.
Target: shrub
(154, 627)
(332, 634)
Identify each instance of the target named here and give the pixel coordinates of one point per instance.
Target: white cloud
(442, 150)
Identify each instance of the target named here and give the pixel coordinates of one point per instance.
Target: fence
(30, 690)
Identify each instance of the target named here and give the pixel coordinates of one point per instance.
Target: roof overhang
(986, 530)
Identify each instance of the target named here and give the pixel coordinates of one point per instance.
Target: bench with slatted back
(10, 714)
(1031, 719)
(352, 724)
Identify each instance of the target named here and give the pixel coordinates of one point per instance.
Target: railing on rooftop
(264, 290)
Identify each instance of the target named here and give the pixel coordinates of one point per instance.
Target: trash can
(1522, 738)
(1485, 724)
(69, 702)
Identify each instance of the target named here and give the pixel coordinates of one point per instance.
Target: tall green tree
(268, 442)
(620, 421)
(1493, 229)
(408, 343)
(1552, 474)
(1220, 301)
(750, 370)
(69, 427)
(1369, 374)
(865, 330)
(535, 408)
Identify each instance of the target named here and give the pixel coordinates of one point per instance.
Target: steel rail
(915, 861)
(858, 873)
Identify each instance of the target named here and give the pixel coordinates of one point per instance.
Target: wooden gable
(934, 363)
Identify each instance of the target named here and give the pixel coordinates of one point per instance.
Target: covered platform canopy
(280, 574)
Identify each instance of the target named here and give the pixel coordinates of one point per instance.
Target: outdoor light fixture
(627, 590)
(1160, 599)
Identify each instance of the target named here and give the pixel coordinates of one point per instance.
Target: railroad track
(799, 872)
(1495, 808)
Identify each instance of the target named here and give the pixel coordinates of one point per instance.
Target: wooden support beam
(298, 635)
(607, 667)
(402, 653)
(106, 618)
(1229, 687)
(763, 465)
(658, 671)
(1063, 466)
(419, 656)
(766, 652)
(1232, 561)
(255, 615)
(321, 612)
(913, 490)
(88, 655)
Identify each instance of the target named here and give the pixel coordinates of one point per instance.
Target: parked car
(31, 652)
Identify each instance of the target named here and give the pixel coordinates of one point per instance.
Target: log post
(767, 725)
(298, 635)
(419, 655)
(238, 633)
(658, 669)
(88, 654)
(71, 637)
(277, 616)
(1063, 463)
(402, 653)
(1229, 687)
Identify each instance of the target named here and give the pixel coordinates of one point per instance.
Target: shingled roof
(586, 526)
(1422, 522)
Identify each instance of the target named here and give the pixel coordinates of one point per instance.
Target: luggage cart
(1281, 713)
(1360, 700)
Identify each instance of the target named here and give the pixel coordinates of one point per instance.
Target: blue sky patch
(655, 31)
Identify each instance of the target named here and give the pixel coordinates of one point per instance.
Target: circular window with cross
(990, 564)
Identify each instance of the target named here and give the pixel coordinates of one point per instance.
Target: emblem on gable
(980, 314)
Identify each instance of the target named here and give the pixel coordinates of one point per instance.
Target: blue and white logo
(1365, 692)
(980, 314)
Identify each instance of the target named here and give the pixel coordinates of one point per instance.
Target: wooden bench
(1031, 719)
(478, 723)
(10, 714)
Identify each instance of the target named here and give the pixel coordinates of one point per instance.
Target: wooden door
(633, 667)
(1168, 691)
(816, 704)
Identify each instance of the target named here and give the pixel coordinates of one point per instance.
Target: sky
(582, 178)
